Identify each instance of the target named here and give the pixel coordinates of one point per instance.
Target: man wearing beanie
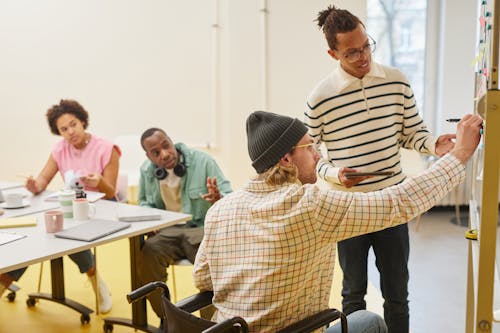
(268, 251)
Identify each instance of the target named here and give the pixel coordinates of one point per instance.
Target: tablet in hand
(372, 173)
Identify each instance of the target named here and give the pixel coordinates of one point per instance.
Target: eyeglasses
(314, 147)
(354, 55)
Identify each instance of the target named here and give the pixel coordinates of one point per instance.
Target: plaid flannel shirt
(268, 252)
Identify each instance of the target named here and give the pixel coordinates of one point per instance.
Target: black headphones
(179, 169)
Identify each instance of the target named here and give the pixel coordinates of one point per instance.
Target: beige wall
(135, 64)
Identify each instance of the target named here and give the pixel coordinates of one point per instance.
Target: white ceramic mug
(14, 199)
(53, 221)
(82, 209)
(66, 198)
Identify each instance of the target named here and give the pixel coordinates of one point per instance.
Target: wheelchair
(179, 317)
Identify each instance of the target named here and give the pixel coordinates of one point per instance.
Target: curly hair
(333, 21)
(66, 106)
(280, 174)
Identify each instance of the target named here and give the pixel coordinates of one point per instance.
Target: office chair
(13, 288)
(178, 317)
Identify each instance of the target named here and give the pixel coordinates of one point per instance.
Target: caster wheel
(30, 302)
(11, 296)
(84, 319)
(108, 328)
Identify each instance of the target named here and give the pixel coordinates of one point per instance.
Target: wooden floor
(437, 286)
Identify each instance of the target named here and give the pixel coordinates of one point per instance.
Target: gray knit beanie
(270, 136)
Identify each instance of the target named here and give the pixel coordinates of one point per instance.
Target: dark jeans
(391, 247)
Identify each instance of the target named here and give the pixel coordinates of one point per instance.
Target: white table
(5, 185)
(39, 246)
(37, 203)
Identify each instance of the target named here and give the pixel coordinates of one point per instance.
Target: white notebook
(7, 237)
(138, 213)
(92, 230)
(91, 196)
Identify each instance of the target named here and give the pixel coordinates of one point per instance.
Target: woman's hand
(91, 180)
(31, 185)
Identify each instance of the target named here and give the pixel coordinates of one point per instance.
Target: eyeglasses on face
(313, 146)
(354, 55)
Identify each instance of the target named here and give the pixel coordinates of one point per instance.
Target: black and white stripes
(364, 122)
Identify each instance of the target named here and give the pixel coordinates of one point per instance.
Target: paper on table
(91, 196)
(16, 222)
(7, 237)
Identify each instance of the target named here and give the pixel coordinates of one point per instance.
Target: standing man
(269, 248)
(179, 179)
(365, 113)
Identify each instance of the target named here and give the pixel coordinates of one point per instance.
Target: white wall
(456, 70)
(135, 64)
(297, 59)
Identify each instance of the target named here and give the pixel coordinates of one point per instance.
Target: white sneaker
(104, 296)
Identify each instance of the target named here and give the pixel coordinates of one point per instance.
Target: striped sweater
(364, 123)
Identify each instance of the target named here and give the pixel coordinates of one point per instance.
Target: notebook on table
(92, 230)
(6, 237)
(137, 214)
(91, 196)
(15, 222)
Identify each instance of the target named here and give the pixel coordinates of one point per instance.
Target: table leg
(139, 319)
(58, 295)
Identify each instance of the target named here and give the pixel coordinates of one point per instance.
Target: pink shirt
(93, 158)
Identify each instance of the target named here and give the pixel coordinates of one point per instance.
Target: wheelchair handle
(227, 324)
(146, 289)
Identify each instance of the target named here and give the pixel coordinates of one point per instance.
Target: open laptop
(92, 230)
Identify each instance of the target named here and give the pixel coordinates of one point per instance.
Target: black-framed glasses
(354, 55)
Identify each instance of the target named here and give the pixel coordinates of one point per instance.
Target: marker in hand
(456, 120)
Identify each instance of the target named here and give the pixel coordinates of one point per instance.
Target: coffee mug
(53, 221)
(82, 209)
(66, 198)
(14, 199)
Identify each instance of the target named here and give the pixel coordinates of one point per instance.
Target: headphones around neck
(179, 169)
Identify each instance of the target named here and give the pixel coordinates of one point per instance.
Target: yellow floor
(113, 263)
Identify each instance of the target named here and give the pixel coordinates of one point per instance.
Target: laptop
(92, 230)
(137, 214)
